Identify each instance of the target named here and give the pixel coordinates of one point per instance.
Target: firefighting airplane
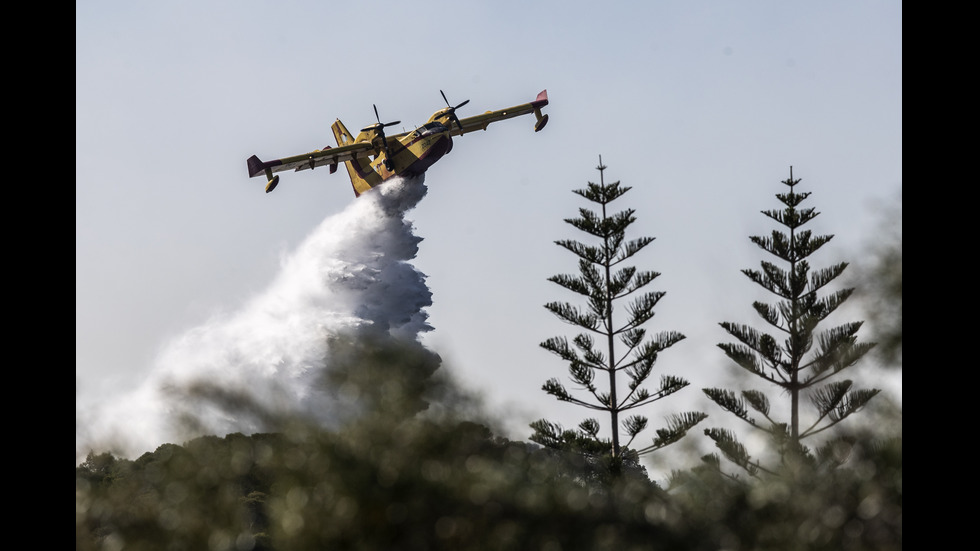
(371, 157)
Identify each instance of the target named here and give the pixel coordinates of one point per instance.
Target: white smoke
(351, 274)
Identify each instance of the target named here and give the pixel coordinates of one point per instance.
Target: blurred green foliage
(879, 281)
(855, 505)
(411, 472)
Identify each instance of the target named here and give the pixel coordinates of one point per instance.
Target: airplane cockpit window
(429, 128)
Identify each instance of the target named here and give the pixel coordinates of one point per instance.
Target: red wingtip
(541, 100)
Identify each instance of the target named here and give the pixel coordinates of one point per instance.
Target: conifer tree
(797, 359)
(610, 348)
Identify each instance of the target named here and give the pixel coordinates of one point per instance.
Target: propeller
(452, 110)
(379, 128)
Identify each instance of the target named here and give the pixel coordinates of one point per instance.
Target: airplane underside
(429, 157)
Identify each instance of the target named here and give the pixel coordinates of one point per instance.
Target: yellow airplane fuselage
(407, 156)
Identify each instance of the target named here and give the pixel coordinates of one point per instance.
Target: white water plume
(351, 274)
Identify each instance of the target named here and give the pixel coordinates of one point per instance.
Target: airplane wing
(480, 122)
(328, 156)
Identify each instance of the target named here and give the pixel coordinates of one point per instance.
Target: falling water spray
(350, 276)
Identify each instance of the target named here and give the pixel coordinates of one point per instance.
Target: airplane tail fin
(362, 176)
(341, 134)
(256, 167)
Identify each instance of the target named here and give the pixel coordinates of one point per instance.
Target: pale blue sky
(701, 107)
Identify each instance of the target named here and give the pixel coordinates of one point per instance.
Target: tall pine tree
(610, 348)
(798, 359)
